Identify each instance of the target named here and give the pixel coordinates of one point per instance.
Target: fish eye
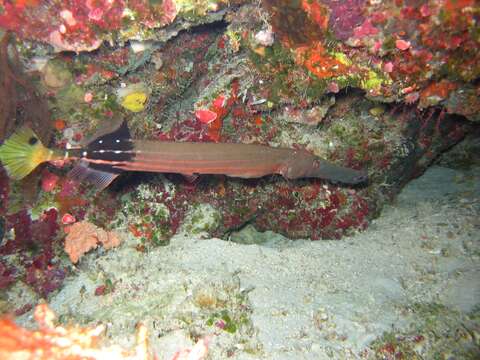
(33, 140)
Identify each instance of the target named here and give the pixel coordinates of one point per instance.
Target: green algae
(347, 133)
(295, 83)
(340, 56)
(225, 306)
(16, 201)
(202, 219)
(374, 81)
(46, 201)
(193, 10)
(57, 74)
(68, 99)
(228, 324)
(437, 332)
(144, 210)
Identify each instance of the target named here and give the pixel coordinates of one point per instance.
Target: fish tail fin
(22, 152)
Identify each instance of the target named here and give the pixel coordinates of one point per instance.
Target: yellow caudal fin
(22, 152)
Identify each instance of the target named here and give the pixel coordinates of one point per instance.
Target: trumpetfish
(111, 150)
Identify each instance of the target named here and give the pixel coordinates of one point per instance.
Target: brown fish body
(111, 152)
(236, 160)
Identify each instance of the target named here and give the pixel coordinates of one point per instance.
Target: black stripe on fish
(111, 144)
(114, 146)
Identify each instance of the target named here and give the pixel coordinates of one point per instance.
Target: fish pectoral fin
(99, 175)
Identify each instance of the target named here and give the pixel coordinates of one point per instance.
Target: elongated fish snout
(360, 178)
(336, 173)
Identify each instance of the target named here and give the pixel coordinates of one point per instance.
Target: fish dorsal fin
(108, 133)
(99, 175)
(109, 144)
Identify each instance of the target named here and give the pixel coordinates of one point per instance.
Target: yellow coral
(343, 58)
(135, 101)
(374, 81)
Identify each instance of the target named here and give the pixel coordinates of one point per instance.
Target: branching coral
(84, 236)
(57, 342)
(52, 342)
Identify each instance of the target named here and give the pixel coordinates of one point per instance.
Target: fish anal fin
(191, 178)
(99, 175)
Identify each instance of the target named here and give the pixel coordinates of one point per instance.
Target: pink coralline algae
(7, 275)
(97, 8)
(37, 270)
(205, 116)
(49, 181)
(388, 67)
(402, 44)
(68, 219)
(69, 28)
(345, 16)
(78, 25)
(411, 59)
(155, 13)
(37, 266)
(366, 29)
(4, 190)
(88, 97)
(43, 276)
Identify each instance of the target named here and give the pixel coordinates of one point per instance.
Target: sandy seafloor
(411, 281)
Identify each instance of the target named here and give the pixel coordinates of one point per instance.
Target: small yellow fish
(135, 101)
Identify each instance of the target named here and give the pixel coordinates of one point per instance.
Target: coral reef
(273, 72)
(83, 25)
(392, 50)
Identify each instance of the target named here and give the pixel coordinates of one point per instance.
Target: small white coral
(265, 37)
(60, 44)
